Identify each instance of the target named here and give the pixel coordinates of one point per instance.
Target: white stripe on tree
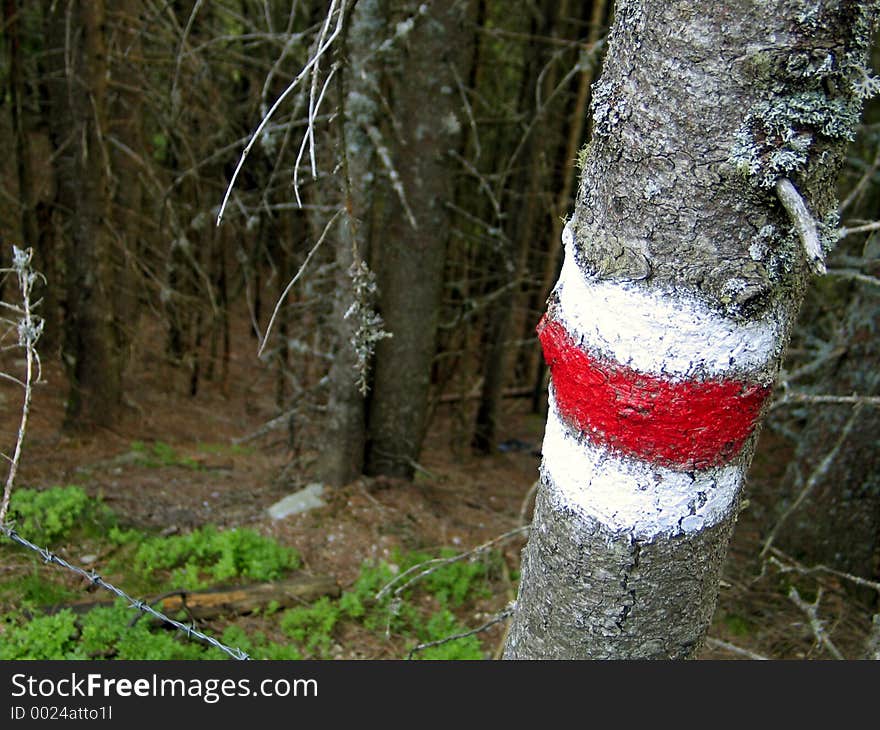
(629, 495)
(662, 332)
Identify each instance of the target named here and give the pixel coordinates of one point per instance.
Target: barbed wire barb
(95, 578)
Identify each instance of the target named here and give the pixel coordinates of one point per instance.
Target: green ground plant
(44, 516)
(207, 556)
(415, 613)
(160, 454)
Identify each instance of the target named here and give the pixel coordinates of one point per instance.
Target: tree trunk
(519, 234)
(125, 126)
(410, 256)
(682, 275)
(36, 225)
(12, 16)
(78, 93)
(535, 371)
(345, 430)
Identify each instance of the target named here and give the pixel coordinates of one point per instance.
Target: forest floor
(458, 500)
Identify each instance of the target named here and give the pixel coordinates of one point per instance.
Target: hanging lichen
(369, 324)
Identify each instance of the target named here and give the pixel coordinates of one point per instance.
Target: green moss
(311, 627)
(738, 625)
(582, 156)
(439, 627)
(422, 613)
(35, 589)
(41, 637)
(160, 454)
(46, 516)
(209, 555)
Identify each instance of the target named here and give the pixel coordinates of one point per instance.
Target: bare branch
(812, 612)
(858, 400)
(496, 619)
(396, 183)
(436, 563)
(843, 232)
(733, 649)
(814, 478)
(313, 61)
(295, 279)
(29, 330)
(855, 276)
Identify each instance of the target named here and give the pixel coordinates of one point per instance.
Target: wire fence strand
(190, 630)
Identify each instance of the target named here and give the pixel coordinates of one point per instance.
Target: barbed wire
(502, 615)
(95, 579)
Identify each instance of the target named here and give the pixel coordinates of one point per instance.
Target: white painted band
(661, 332)
(629, 495)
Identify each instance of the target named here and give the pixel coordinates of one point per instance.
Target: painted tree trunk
(409, 258)
(683, 273)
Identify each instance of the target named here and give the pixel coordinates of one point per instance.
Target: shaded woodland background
(424, 196)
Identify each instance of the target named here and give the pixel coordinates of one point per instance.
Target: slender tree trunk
(126, 116)
(35, 223)
(78, 92)
(12, 16)
(683, 273)
(345, 430)
(535, 372)
(519, 231)
(411, 254)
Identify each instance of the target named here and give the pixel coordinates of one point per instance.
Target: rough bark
(872, 645)
(700, 110)
(125, 126)
(78, 94)
(410, 256)
(345, 429)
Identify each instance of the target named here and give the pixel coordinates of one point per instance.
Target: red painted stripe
(685, 425)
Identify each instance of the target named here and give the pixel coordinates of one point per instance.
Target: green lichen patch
(779, 133)
(814, 89)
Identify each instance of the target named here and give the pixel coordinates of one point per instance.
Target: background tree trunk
(78, 95)
(345, 431)
(521, 206)
(682, 276)
(125, 105)
(409, 258)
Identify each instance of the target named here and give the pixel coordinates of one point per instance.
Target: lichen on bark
(664, 207)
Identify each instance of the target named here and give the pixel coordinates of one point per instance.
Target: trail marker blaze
(683, 424)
